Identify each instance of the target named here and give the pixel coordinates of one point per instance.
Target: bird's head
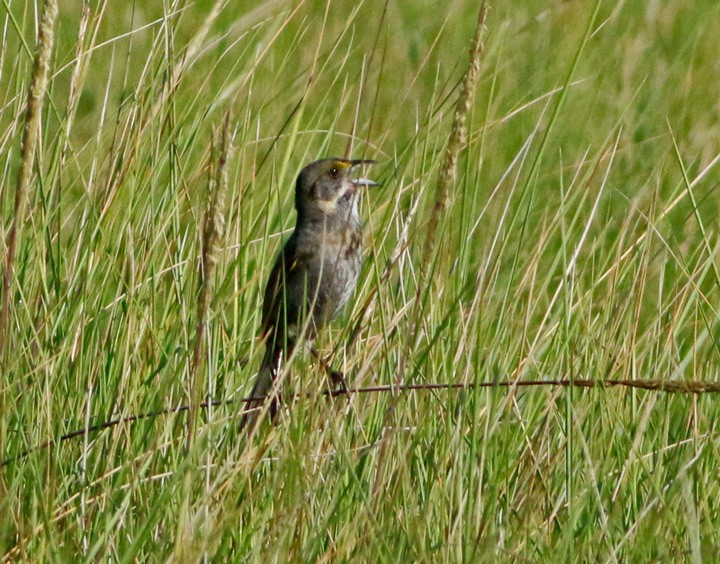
(327, 188)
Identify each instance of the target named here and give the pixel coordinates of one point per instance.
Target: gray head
(326, 189)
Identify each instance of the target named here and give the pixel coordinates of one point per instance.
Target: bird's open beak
(363, 181)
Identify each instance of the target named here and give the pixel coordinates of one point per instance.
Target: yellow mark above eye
(342, 164)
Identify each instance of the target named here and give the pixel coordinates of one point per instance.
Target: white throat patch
(328, 207)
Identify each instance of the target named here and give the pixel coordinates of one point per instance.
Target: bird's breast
(335, 268)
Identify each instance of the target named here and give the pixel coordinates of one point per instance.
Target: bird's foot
(337, 381)
(337, 385)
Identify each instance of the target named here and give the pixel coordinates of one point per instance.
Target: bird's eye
(334, 172)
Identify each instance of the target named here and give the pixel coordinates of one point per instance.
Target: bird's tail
(264, 389)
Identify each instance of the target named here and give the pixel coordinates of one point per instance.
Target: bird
(314, 274)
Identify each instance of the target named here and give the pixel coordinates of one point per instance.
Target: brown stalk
(446, 181)
(36, 97)
(213, 226)
(458, 135)
(654, 385)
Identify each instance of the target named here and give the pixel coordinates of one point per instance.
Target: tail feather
(262, 390)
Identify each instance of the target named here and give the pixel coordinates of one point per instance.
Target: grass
(578, 240)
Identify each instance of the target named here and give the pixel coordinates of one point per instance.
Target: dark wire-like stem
(665, 386)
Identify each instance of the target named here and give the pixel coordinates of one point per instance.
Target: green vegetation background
(580, 241)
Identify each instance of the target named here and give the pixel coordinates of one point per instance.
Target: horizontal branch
(667, 386)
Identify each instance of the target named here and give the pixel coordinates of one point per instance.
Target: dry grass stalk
(77, 78)
(446, 179)
(36, 97)
(651, 385)
(213, 227)
(458, 134)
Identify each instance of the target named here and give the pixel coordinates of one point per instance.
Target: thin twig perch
(666, 386)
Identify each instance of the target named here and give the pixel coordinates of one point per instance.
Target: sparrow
(314, 275)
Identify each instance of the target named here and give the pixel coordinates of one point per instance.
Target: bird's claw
(337, 381)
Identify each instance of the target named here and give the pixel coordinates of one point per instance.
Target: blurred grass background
(579, 241)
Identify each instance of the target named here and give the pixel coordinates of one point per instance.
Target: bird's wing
(285, 292)
(274, 289)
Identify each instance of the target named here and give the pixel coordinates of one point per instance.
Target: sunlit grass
(578, 241)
